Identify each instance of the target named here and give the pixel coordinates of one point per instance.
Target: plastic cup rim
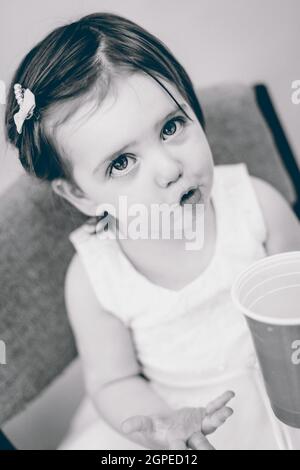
(268, 261)
(239, 280)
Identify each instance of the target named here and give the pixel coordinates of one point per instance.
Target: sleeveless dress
(193, 343)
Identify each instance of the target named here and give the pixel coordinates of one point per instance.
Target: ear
(74, 196)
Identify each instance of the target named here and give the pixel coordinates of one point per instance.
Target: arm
(112, 373)
(283, 227)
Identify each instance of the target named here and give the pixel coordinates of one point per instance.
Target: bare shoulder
(283, 227)
(79, 293)
(75, 274)
(98, 332)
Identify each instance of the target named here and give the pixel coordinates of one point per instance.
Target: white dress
(193, 343)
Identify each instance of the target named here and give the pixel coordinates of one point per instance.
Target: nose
(169, 170)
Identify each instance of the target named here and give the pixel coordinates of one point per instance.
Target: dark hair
(73, 61)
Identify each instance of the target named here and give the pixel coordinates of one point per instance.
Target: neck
(153, 248)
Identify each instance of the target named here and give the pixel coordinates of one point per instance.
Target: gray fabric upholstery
(237, 132)
(35, 250)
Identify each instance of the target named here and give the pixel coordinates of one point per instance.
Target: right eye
(120, 164)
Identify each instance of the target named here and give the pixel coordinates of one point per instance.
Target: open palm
(183, 428)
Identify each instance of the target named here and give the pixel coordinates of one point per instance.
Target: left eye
(120, 164)
(172, 125)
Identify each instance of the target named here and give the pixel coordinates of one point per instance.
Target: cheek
(123, 201)
(199, 152)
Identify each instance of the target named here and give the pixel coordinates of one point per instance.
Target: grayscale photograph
(149, 227)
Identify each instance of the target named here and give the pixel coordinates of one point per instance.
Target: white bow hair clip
(26, 102)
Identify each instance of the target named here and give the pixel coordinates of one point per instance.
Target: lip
(186, 191)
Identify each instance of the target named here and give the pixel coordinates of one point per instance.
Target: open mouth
(191, 197)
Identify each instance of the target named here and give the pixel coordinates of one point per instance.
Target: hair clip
(26, 102)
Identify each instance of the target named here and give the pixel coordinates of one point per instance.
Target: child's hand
(94, 223)
(185, 428)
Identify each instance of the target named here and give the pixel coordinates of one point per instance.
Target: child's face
(162, 158)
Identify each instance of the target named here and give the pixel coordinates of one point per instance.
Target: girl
(106, 111)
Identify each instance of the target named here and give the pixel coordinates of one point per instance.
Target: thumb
(137, 424)
(198, 441)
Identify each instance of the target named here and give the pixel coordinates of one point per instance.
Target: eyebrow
(158, 124)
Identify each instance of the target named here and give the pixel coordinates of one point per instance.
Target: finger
(94, 223)
(194, 418)
(137, 424)
(89, 225)
(178, 444)
(91, 220)
(220, 402)
(213, 421)
(198, 441)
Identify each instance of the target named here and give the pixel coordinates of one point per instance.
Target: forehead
(132, 104)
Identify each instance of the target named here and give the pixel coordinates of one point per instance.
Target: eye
(172, 125)
(120, 164)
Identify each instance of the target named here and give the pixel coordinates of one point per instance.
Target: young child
(155, 327)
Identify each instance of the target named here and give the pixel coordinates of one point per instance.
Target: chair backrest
(35, 250)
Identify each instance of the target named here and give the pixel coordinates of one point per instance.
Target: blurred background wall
(216, 40)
